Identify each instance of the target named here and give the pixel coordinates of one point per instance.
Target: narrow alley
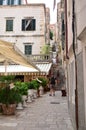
(45, 113)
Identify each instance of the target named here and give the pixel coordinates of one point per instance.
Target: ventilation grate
(54, 102)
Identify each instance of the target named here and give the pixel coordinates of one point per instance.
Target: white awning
(19, 69)
(44, 67)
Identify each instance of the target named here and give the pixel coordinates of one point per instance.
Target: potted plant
(36, 86)
(22, 88)
(9, 98)
(7, 79)
(44, 82)
(30, 91)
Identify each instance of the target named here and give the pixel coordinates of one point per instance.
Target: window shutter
(12, 2)
(33, 24)
(9, 25)
(8, 2)
(19, 2)
(23, 25)
(28, 49)
(1, 2)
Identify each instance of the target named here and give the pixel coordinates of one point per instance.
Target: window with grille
(28, 24)
(28, 49)
(9, 25)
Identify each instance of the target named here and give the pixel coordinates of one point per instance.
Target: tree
(46, 49)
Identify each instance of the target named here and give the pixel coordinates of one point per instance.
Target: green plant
(46, 49)
(44, 81)
(21, 87)
(7, 78)
(9, 96)
(35, 84)
(30, 85)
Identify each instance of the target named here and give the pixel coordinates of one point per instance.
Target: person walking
(52, 85)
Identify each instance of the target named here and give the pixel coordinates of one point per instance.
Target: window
(1, 2)
(28, 24)
(10, 2)
(19, 2)
(4, 2)
(28, 49)
(16, 2)
(9, 25)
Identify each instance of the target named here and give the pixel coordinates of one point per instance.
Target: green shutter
(19, 2)
(23, 25)
(28, 49)
(8, 2)
(9, 25)
(33, 24)
(12, 2)
(1, 2)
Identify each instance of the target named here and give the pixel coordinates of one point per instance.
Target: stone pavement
(45, 113)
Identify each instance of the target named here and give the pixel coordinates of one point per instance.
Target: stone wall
(80, 85)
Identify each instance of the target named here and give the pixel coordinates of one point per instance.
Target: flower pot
(19, 106)
(30, 95)
(30, 92)
(63, 92)
(35, 93)
(24, 97)
(41, 90)
(9, 109)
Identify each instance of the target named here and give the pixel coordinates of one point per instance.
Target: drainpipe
(74, 33)
(66, 30)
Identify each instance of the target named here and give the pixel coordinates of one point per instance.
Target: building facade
(76, 64)
(61, 31)
(47, 26)
(12, 2)
(24, 25)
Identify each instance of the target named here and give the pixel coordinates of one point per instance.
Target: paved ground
(45, 113)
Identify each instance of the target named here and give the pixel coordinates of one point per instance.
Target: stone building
(76, 64)
(61, 31)
(47, 26)
(53, 30)
(24, 25)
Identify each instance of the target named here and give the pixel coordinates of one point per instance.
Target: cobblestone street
(45, 113)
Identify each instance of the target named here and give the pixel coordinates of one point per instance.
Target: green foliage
(44, 81)
(33, 85)
(7, 78)
(21, 87)
(30, 85)
(46, 49)
(9, 96)
(36, 84)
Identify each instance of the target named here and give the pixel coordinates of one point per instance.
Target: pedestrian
(52, 85)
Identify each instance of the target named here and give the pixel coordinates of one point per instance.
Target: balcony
(40, 58)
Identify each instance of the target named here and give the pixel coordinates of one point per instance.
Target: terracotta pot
(9, 109)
